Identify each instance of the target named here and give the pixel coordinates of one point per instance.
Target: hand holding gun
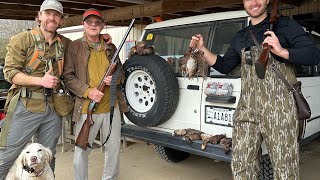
(262, 63)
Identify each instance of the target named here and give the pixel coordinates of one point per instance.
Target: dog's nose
(34, 159)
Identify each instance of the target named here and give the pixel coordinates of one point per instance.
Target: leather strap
(281, 76)
(255, 41)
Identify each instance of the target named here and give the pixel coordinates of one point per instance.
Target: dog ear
(48, 154)
(22, 158)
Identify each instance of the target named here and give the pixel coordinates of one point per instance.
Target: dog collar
(31, 170)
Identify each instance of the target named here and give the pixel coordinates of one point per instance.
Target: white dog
(32, 164)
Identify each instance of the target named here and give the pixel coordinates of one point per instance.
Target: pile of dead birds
(193, 64)
(141, 49)
(193, 134)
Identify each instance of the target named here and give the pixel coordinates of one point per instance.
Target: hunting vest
(16, 91)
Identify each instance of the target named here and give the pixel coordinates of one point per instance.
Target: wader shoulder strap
(39, 53)
(59, 56)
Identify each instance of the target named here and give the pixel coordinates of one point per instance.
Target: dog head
(36, 156)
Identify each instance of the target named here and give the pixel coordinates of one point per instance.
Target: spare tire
(151, 90)
(266, 172)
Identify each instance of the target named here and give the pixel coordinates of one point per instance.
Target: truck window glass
(172, 43)
(223, 34)
(305, 71)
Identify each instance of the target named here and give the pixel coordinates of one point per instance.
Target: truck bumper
(214, 151)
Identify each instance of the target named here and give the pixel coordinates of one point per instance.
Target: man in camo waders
(266, 110)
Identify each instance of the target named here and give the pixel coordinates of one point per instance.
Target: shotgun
(82, 139)
(261, 64)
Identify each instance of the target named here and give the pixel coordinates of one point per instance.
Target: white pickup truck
(161, 100)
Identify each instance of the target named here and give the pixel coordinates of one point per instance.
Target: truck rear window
(171, 43)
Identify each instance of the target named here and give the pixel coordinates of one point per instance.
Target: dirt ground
(138, 161)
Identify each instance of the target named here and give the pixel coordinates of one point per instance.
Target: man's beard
(252, 15)
(50, 30)
(257, 15)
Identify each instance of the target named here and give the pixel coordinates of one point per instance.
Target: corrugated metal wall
(306, 6)
(116, 33)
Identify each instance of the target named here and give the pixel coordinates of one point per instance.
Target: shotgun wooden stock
(262, 63)
(82, 138)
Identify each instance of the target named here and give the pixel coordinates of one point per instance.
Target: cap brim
(53, 9)
(92, 15)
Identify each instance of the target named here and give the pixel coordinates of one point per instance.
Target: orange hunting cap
(94, 12)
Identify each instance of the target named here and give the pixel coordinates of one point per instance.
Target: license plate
(220, 116)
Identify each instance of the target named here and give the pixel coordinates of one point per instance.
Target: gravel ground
(138, 161)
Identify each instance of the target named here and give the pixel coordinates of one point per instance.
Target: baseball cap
(51, 4)
(92, 11)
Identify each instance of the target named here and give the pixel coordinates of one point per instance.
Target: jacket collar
(55, 38)
(106, 46)
(262, 23)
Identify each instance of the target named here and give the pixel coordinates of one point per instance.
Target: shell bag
(303, 108)
(63, 102)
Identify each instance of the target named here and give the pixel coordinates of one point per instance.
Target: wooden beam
(65, 4)
(292, 2)
(123, 13)
(110, 3)
(22, 7)
(156, 8)
(33, 8)
(177, 6)
(18, 16)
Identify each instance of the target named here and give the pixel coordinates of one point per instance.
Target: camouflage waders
(266, 111)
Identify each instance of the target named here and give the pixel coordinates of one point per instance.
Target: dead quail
(192, 64)
(216, 138)
(226, 144)
(188, 134)
(141, 49)
(211, 139)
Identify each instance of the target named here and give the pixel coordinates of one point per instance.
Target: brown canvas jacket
(20, 51)
(76, 57)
